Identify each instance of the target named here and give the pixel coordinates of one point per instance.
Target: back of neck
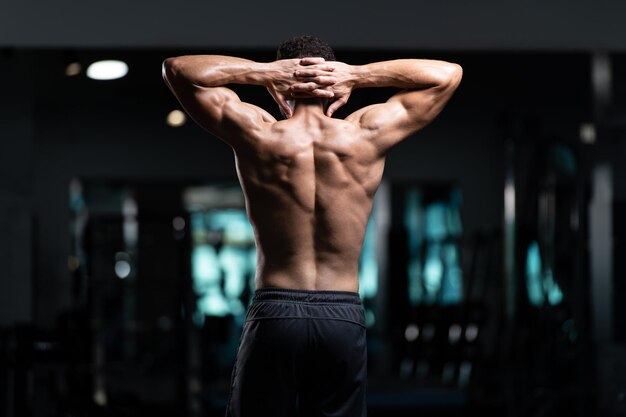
(309, 106)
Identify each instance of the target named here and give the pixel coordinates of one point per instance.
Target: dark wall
(395, 24)
(16, 189)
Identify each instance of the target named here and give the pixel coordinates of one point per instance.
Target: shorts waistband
(306, 296)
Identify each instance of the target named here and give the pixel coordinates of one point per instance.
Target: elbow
(166, 69)
(458, 73)
(169, 69)
(453, 75)
(447, 76)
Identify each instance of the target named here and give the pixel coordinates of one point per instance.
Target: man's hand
(281, 79)
(342, 89)
(316, 75)
(284, 76)
(313, 78)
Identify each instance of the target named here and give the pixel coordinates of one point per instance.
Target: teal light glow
(368, 270)
(205, 271)
(433, 273)
(540, 282)
(452, 289)
(222, 261)
(551, 288)
(533, 275)
(435, 224)
(433, 230)
(234, 223)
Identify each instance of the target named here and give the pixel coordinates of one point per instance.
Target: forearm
(216, 70)
(405, 74)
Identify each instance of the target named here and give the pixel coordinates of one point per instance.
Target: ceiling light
(176, 118)
(178, 223)
(588, 134)
(122, 269)
(107, 70)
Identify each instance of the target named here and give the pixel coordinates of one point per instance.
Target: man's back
(309, 182)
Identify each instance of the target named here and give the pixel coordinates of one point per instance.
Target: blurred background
(490, 270)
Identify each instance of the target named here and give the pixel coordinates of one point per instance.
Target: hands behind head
(310, 78)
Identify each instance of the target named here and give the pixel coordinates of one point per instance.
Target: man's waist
(306, 296)
(286, 304)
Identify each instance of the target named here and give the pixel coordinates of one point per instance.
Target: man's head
(303, 47)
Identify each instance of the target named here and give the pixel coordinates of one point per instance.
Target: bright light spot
(176, 118)
(412, 332)
(129, 206)
(178, 223)
(454, 334)
(107, 70)
(588, 133)
(100, 397)
(130, 230)
(533, 274)
(73, 69)
(471, 332)
(509, 202)
(122, 269)
(213, 303)
(433, 272)
(555, 295)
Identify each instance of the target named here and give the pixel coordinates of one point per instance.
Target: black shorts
(302, 353)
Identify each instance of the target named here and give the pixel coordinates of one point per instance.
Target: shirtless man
(309, 182)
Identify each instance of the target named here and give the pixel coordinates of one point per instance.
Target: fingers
(321, 93)
(318, 77)
(312, 61)
(324, 80)
(284, 107)
(314, 77)
(336, 105)
(309, 90)
(314, 71)
(317, 93)
(307, 87)
(286, 110)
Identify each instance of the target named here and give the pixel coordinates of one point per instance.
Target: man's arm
(426, 86)
(198, 83)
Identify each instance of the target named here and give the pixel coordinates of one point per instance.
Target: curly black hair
(305, 46)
